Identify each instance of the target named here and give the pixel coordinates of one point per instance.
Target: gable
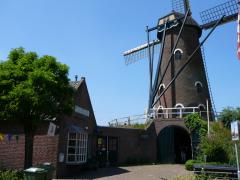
(83, 106)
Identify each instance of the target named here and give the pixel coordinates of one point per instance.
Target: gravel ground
(146, 172)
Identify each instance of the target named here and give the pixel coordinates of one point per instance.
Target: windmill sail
(140, 52)
(211, 16)
(180, 6)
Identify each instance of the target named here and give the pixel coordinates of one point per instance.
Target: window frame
(80, 148)
(181, 54)
(199, 86)
(203, 106)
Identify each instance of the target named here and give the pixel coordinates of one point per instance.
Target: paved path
(146, 172)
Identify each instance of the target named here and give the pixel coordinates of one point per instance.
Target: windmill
(180, 78)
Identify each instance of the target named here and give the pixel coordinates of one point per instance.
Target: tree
(197, 128)
(217, 146)
(228, 115)
(195, 123)
(33, 90)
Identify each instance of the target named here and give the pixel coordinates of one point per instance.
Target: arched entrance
(174, 145)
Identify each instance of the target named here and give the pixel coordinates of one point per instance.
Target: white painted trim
(179, 104)
(160, 107)
(198, 82)
(81, 148)
(178, 50)
(202, 105)
(162, 85)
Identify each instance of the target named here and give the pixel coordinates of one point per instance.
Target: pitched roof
(76, 84)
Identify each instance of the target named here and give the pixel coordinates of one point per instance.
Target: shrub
(217, 146)
(138, 126)
(11, 175)
(189, 164)
(186, 177)
(195, 123)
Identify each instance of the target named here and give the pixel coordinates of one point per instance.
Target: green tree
(33, 90)
(195, 123)
(218, 145)
(228, 115)
(197, 128)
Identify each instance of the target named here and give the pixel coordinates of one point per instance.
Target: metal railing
(177, 112)
(129, 120)
(157, 113)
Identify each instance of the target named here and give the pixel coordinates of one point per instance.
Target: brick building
(78, 141)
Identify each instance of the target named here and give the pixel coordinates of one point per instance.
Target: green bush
(195, 123)
(189, 164)
(217, 146)
(11, 175)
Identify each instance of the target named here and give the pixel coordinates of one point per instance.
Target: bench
(216, 171)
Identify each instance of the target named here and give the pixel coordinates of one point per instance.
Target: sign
(61, 157)
(51, 129)
(100, 141)
(82, 111)
(235, 130)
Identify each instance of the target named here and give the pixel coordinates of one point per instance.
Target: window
(77, 147)
(178, 112)
(160, 112)
(112, 144)
(178, 54)
(199, 86)
(201, 107)
(179, 105)
(161, 88)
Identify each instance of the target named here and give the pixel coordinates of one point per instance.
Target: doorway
(174, 145)
(107, 150)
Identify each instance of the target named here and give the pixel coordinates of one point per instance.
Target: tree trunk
(29, 136)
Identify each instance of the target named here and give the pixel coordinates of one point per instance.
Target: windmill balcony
(176, 112)
(158, 113)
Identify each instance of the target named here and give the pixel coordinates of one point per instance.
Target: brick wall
(45, 149)
(12, 153)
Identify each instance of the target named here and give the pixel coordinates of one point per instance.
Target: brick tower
(190, 89)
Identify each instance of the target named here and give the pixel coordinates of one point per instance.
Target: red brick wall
(45, 149)
(12, 153)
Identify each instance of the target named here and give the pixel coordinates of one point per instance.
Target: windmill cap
(174, 19)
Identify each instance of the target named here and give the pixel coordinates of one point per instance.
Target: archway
(174, 145)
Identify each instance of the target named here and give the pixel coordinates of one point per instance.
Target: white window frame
(202, 105)
(198, 82)
(162, 86)
(179, 104)
(81, 148)
(181, 51)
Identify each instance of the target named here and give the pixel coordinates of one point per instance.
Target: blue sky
(90, 36)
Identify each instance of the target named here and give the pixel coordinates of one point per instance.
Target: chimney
(76, 77)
